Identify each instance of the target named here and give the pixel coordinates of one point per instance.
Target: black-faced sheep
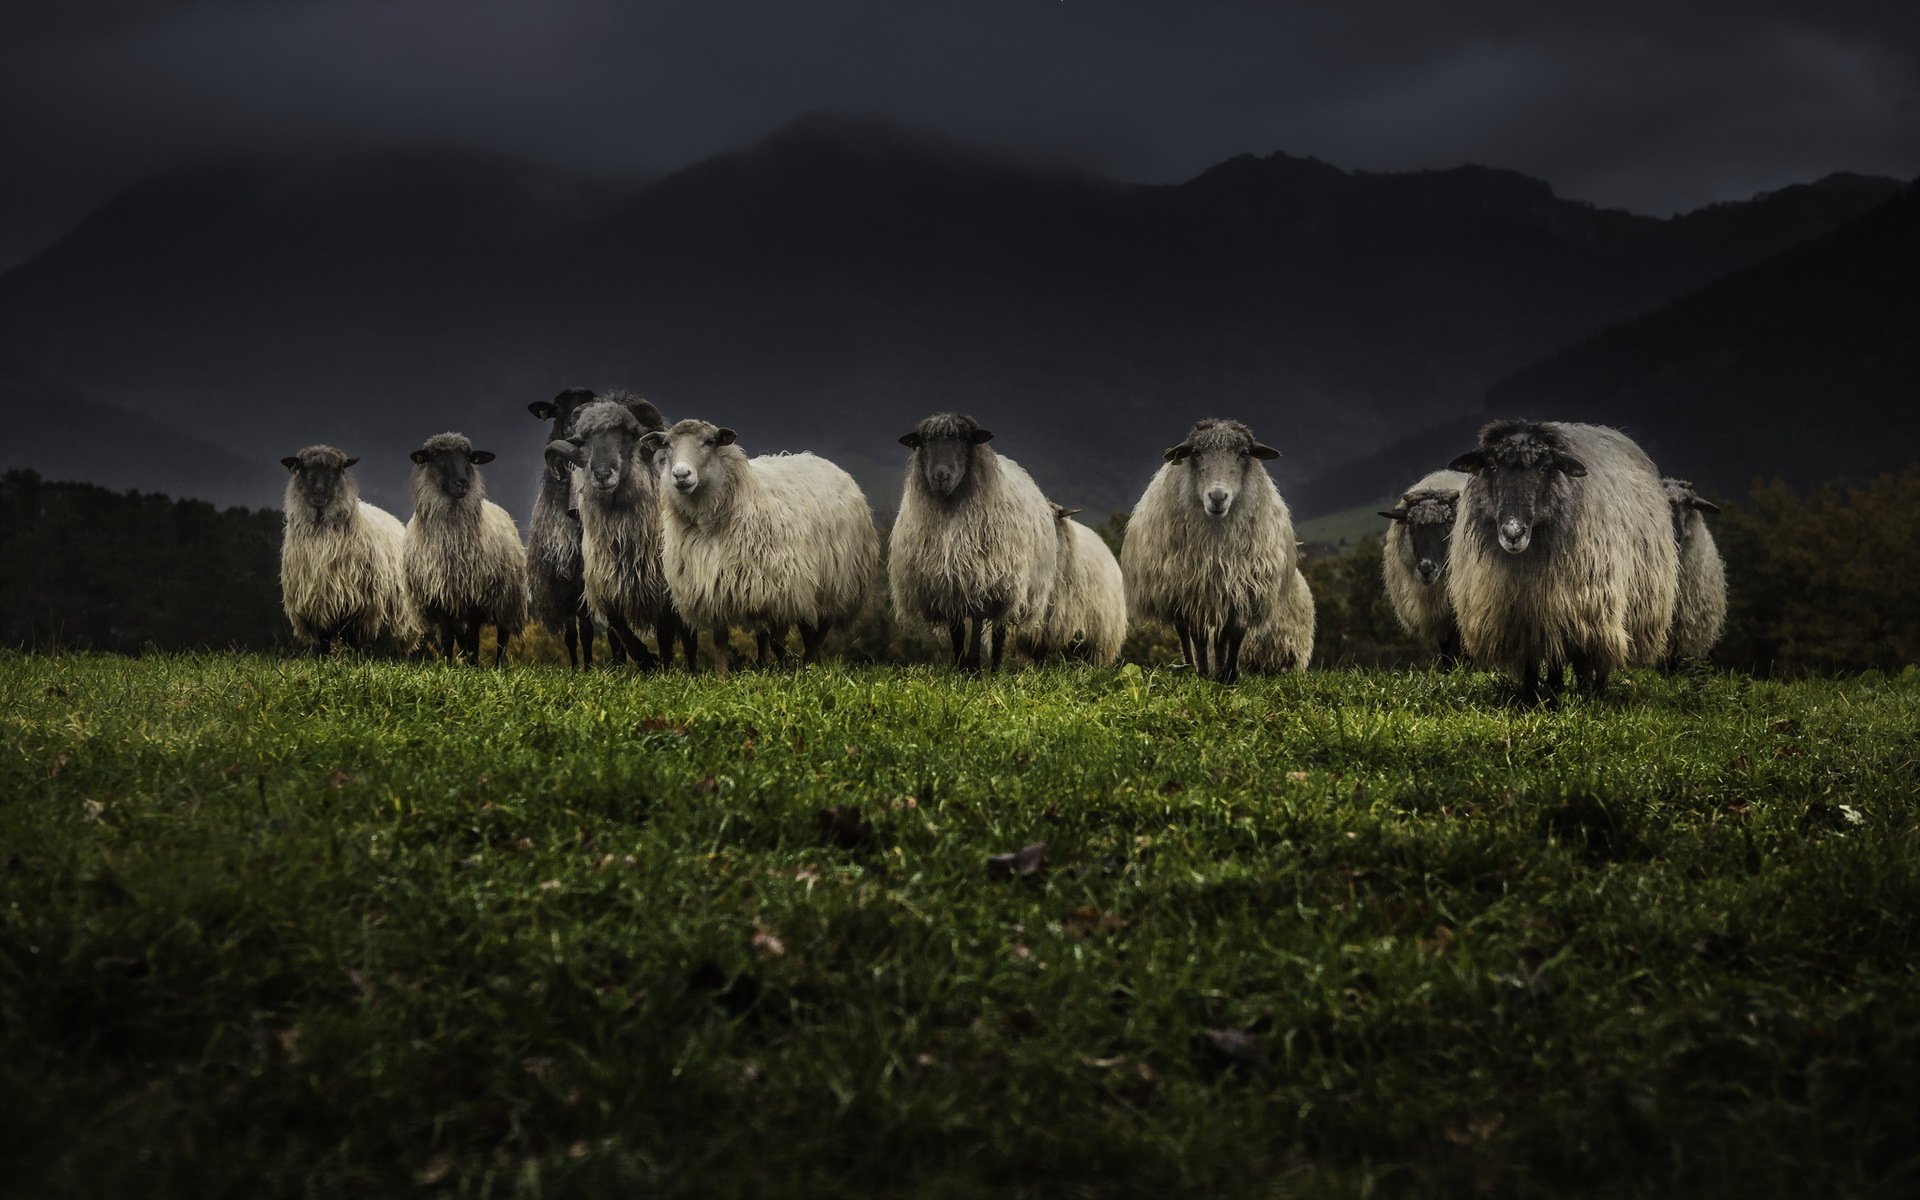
(619, 507)
(1086, 615)
(765, 543)
(1700, 607)
(1210, 545)
(1414, 563)
(465, 566)
(973, 548)
(1562, 555)
(557, 592)
(340, 559)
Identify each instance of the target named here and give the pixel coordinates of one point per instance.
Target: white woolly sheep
(340, 559)
(1562, 555)
(1700, 607)
(1414, 562)
(619, 507)
(973, 548)
(766, 543)
(1210, 545)
(465, 566)
(1086, 615)
(1285, 641)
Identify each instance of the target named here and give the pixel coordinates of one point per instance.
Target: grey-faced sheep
(1086, 615)
(974, 547)
(619, 506)
(1414, 564)
(1210, 545)
(1285, 641)
(1562, 555)
(1700, 608)
(765, 543)
(340, 559)
(557, 591)
(464, 563)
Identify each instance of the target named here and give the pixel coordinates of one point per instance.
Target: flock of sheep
(1550, 546)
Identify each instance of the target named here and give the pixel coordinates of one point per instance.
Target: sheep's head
(1684, 502)
(687, 453)
(1428, 516)
(1521, 465)
(448, 460)
(320, 476)
(643, 410)
(1217, 457)
(561, 409)
(943, 448)
(604, 439)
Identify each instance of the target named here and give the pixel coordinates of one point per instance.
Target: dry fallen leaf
(1234, 1049)
(765, 943)
(338, 778)
(1025, 861)
(435, 1170)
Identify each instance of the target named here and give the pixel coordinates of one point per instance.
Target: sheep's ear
(480, 458)
(724, 437)
(350, 462)
(1572, 467)
(1470, 462)
(290, 463)
(911, 440)
(644, 412)
(1395, 514)
(1177, 453)
(543, 409)
(567, 450)
(1064, 513)
(654, 440)
(982, 436)
(1260, 451)
(419, 456)
(1705, 506)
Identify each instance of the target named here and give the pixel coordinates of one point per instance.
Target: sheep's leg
(500, 639)
(957, 632)
(811, 636)
(1530, 681)
(1589, 675)
(689, 643)
(999, 643)
(570, 633)
(472, 639)
(1231, 635)
(972, 662)
(616, 649)
(637, 651)
(1450, 656)
(664, 627)
(720, 649)
(584, 620)
(1185, 633)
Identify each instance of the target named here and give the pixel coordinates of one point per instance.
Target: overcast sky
(1652, 105)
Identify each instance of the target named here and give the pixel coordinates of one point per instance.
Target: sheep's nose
(1428, 569)
(1217, 500)
(683, 472)
(1514, 535)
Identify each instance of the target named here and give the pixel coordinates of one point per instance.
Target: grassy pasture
(336, 929)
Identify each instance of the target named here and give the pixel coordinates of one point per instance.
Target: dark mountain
(1805, 366)
(834, 282)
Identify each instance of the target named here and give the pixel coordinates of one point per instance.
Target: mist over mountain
(829, 285)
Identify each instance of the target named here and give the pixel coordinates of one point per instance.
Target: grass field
(286, 928)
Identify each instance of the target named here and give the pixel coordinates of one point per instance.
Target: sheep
(558, 596)
(1086, 615)
(465, 566)
(619, 507)
(973, 547)
(1563, 554)
(1285, 641)
(1700, 608)
(1415, 560)
(1210, 546)
(766, 542)
(340, 572)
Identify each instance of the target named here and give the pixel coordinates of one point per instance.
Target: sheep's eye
(710, 441)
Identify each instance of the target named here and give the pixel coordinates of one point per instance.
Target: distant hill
(829, 285)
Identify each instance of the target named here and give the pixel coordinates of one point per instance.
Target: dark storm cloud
(1650, 106)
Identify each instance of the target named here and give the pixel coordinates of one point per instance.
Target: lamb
(1700, 608)
(1415, 560)
(1563, 554)
(1285, 641)
(464, 563)
(558, 596)
(340, 572)
(1086, 615)
(973, 547)
(766, 543)
(619, 507)
(1210, 546)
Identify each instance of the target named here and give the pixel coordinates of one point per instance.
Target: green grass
(341, 929)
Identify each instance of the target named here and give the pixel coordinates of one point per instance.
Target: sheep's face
(319, 476)
(685, 454)
(1429, 521)
(943, 449)
(449, 461)
(560, 410)
(1684, 502)
(1217, 457)
(605, 456)
(1521, 468)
